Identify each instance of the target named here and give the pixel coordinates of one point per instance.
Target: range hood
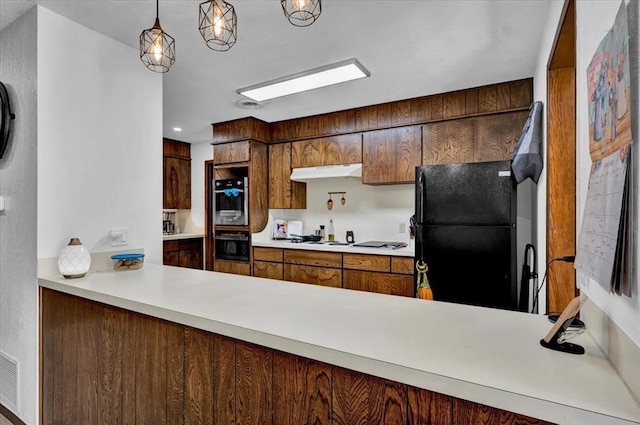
(326, 172)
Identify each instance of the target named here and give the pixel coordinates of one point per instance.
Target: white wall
(594, 19)
(200, 152)
(100, 141)
(18, 280)
(372, 212)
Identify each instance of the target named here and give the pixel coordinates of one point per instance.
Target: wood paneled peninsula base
(168, 345)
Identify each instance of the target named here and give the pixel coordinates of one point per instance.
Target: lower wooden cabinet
(103, 364)
(183, 253)
(384, 274)
(234, 267)
(268, 270)
(323, 276)
(382, 283)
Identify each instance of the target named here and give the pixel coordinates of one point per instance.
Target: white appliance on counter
(286, 229)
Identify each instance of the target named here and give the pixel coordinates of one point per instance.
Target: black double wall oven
(231, 208)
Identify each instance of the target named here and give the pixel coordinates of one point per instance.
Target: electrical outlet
(402, 228)
(119, 236)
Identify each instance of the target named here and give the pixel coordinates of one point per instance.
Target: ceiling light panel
(308, 80)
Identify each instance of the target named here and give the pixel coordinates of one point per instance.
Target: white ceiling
(411, 47)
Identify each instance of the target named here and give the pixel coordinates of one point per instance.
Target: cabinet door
(315, 275)
(268, 270)
(231, 152)
(381, 283)
(191, 253)
(177, 183)
(171, 258)
(496, 136)
(448, 142)
(335, 150)
(284, 193)
(171, 182)
(184, 184)
(233, 267)
(391, 156)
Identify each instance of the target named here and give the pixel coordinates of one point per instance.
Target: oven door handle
(232, 238)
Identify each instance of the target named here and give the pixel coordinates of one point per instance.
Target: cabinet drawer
(376, 263)
(190, 244)
(381, 283)
(170, 246)
(315, 275)
(233, 267)
(231, 152)
(268, 254)
(313, 258)
(268, 270)
(402, 265)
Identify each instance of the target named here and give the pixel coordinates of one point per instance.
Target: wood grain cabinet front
(381, 283)
(313, 258)
(268, 270)
(391, 156)
(183, 253)
(227, 153)
(233, 267)
(378, 263)
(477, 139)
(283, 192)
(323, 276)
(335, 150)
(103, 364)
(176, 174)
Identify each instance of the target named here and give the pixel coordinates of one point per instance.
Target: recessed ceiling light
(307, 80)
(177, 129)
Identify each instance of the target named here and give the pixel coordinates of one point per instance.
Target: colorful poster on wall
(603, 251)
(609, 91)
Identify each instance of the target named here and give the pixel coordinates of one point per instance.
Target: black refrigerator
(466, 232)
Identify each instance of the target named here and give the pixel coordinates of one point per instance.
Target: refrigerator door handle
(420, 198)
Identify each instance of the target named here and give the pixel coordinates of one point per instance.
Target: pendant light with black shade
(218, 24)
(157, 48)
(301, 13)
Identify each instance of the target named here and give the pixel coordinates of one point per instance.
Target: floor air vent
(8, 381)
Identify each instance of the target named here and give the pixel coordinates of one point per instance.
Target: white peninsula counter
(486, 356)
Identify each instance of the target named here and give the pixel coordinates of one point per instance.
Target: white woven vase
(74, 260)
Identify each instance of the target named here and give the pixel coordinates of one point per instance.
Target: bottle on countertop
(331, 231)
(322, 232)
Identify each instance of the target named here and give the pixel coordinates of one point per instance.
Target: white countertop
(400, 252)
(178, 236)
(487, 356)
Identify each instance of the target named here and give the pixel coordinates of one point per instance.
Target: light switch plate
(119, 236)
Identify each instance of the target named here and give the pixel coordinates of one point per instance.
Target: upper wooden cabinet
(478, 139)
(496, 136)
(390, 156)
(176, 175)
(448, 142)
(284, 193)
(336, 150)
(228, 153)
(248, 128)
(506, 96)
